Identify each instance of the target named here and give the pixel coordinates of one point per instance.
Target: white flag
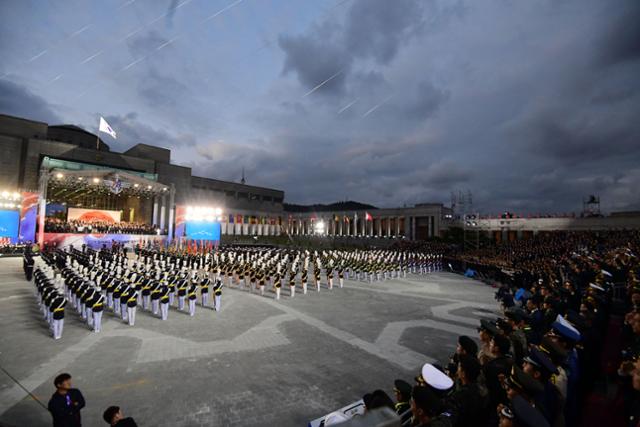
(104, 127)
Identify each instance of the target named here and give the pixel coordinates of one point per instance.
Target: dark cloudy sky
(530, 105)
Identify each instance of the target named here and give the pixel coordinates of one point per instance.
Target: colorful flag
(367, 216)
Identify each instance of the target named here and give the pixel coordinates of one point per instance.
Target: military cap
(435, 378)
(523, 382)
(468, 345)
(402, 387)
(541, 361)
(561, 327)
(488, 327)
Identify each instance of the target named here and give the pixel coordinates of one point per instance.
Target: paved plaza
(257, 362)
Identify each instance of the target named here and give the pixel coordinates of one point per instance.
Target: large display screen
(9, 222)
(203, 230)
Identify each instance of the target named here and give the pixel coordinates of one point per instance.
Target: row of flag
(336, 218)
(251, 219)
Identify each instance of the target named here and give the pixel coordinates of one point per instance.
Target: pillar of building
(162, 211)
(429, 226)
(154, 220)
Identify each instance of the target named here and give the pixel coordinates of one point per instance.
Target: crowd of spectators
(55, 225)
(565, 352)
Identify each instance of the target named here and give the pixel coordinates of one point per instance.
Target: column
(172, 193)
(154, 220)
(397, 226)
(379, 227)
(162, 212)
(413, 228)
(429, 229)
(388, 226)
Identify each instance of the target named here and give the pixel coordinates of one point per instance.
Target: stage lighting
(148, 187)
(218, 211)
(16, 196)
(5, 194)
(164, 189)
(96, 180)
(136, 185)
(59, 175)
(319, 227)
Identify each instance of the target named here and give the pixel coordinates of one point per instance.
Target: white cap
(436, 378)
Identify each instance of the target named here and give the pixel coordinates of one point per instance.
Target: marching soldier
(292, 283)
(165, 300)
(57, 309)
(131, 302)
(341, 275)
(155, 297)
(204, 290)
(217, 292)
(277, 283)
(96, 305)
(192, 295)
(182, 286)
(303, 278)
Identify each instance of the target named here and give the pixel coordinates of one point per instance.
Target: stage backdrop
(203, 230)
(9, 221)
(90, 215)
(28, 217)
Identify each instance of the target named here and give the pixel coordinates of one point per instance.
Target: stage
(96, 240)
(257, 362)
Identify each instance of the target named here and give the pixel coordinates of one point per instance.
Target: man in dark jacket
(66, 403)
(113, 416)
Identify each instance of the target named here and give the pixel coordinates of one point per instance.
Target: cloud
(315, 60)
(620, 42)
(17, 100)
(377, 28)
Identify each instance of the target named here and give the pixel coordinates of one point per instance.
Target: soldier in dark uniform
(164, 300)
(117, 291)
(402, 390)
(292, 283)
(155, 297)
(57, 309)
(217, 292)
(341, 274)
(192, 295)
(277, 283)
(304, 278)
(97, 307)
(182, 286)
(204, 289)
(131, 300)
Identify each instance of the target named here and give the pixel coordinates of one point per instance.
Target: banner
(28, 217)
(181, 212)
(93, 215)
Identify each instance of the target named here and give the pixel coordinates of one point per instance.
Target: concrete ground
(257, 362)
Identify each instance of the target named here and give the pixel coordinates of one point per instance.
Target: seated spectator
(114, 417)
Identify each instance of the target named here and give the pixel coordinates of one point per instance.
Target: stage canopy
(63, 180)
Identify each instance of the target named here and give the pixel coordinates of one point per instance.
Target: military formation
(155, 280)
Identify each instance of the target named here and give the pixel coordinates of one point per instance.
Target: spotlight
(16, 196)
(59, 175)
(136, 185)
(96, 180)
(148, 187)
(164, 189)
(5, 194)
